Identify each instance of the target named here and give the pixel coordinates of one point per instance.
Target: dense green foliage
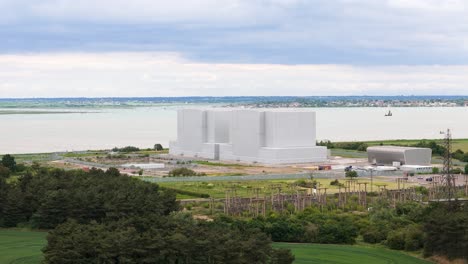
(158, 147)
(466, 169)
(359, 146)
(9, 162)
(345, 254)
(4, 172)
(309, 226)
(351, 174)
(446, 229)
(104, 217)
(126, 149)
(46, 198)
(151, 239)
(184, 172)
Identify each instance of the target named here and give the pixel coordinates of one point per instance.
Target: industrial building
(248, 135)
(396, 156)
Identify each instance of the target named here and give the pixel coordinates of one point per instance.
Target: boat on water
(389, 113)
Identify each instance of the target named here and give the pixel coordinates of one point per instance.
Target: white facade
(264, 136)
(387, 155)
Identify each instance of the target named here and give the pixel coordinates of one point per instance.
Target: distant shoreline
(238, 101)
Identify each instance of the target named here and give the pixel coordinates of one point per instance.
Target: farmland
(18, 246)
(345, 254)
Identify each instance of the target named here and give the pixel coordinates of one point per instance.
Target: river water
(145, 126)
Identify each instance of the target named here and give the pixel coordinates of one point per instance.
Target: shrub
(414, 238)
(351, 174)
(126, 149)
(158, 147)
(184, 172)
(396, 239)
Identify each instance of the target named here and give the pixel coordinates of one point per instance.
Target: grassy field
(18, 246)
(338, 254)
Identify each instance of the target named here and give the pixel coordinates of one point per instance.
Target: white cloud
(161, 74)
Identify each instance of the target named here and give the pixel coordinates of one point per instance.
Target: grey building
(387, 155)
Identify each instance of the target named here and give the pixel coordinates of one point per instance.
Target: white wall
(191, 129)
(289, 129)
(266, 136)
(246, 132)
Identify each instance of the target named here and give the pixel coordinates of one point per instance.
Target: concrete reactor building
(248, 135)
(391, 155)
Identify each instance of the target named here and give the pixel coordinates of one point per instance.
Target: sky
(100, 48)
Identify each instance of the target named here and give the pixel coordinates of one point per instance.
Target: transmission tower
(448, 180)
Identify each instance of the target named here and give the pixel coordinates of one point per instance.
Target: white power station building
(248, 135)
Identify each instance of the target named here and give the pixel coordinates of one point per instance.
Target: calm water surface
(143, 127)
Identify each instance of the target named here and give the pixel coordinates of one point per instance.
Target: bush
(414, 238)
(126, 149)
(306, 184)
(9, 162)
(374, 234)
(184, 172)
(351, 174)
(158, 147)
(396, 239)
(4, 172)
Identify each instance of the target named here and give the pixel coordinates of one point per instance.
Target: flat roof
(390, 148)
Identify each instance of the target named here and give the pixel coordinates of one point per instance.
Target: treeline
(157, 147)
(309, 226)
(438, 229)
(104, 217)
(359, 146)
(184, 172)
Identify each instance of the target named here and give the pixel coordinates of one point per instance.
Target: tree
(446, 230)
(9, 162)
(466, 169)
(435, 170)
(184, 172)
(4, 172)
(158, 147)
(351, 174)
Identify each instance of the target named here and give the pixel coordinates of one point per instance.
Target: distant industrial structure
(398, 156)
(248, 135)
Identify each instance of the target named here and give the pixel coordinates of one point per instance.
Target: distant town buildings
(248, 135)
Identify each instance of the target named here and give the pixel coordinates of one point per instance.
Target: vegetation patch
(345, 254)
(21, 246)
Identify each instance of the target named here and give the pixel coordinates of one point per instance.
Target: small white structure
(146, 166)
(416, 168)
(264, 136)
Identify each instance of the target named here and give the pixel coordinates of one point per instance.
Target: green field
(18, 246)
(344, 254)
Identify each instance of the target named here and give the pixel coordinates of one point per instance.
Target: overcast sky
(68, 48)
